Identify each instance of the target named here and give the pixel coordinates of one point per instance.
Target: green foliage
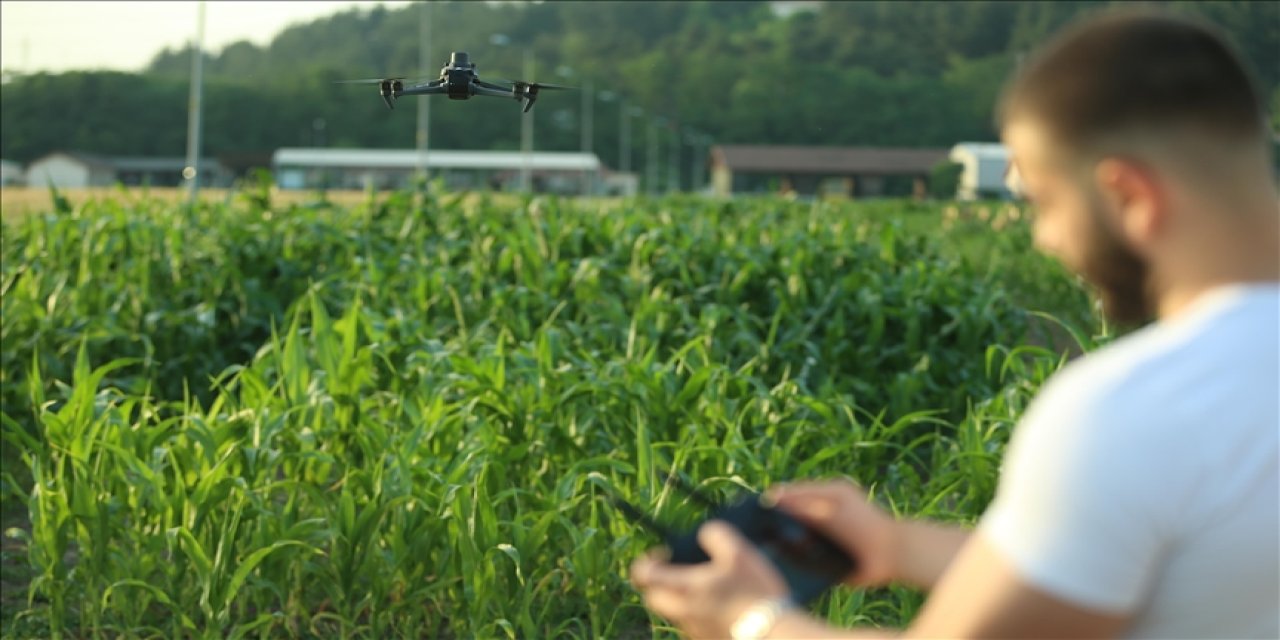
(256, 191)
(399, 420)
(61, 205)
(944, 179)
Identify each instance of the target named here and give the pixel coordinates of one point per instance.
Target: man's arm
(926, 551)
(980, 595)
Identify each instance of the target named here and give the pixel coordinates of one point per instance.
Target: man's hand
(842, 512)
(705, 599)
(886, 550)
(981, 595)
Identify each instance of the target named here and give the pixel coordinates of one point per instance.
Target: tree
(866, 73)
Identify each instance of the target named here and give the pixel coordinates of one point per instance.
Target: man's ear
(1135, 198)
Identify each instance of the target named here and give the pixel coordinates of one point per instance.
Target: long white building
(550, 171)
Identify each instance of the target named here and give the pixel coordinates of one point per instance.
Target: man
(1139, 494)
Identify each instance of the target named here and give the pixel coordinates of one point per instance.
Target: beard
(1120, 277)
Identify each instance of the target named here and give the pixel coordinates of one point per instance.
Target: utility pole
(696, 158)
(526, 132)
(588, 106)
(424, 105)
(698, 142)
(624, 132)
(651, 159)
(192, 171)
(691, 138)
(673, 164)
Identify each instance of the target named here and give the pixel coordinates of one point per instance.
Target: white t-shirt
(1145, 478)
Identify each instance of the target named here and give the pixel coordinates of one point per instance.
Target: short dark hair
(1123, 71)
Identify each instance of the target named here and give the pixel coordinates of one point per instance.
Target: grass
(399, 417)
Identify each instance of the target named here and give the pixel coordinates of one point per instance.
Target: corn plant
(401, 419)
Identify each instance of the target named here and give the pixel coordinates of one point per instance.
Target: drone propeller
(528, 91)
(536, 85)
(539, 85)
(368, 80)
(388, 88)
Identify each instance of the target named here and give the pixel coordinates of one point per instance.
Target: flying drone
(459, 81)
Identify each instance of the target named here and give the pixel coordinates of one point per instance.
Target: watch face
(752, 625)
(757, 621)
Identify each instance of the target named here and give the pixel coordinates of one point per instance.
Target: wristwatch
(759, 619)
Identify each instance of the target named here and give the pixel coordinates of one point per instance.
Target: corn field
(400, 418)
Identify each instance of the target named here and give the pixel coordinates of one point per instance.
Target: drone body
(459, 81)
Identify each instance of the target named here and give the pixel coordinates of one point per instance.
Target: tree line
(864, 73)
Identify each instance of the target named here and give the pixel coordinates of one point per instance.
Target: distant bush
(944, 179)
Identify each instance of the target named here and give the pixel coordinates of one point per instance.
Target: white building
(617, 183)
(73, 169)
(10, 173)
(787, 8)
(985, 165)
(68, 169)
(550, 171)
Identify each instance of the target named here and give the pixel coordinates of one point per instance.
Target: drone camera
(459, 59)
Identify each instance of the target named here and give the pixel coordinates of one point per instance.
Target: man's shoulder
(1113, 378)
(1185, 372)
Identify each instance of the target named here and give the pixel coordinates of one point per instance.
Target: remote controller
(808, 560)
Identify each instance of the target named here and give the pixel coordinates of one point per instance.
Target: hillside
(876, 73)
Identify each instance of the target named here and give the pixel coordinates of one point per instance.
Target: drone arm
(491, 90)
(423, 89)
(509, 91)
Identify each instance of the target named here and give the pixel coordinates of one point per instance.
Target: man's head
(1122, 128)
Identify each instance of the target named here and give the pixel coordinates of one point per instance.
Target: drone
(459, 81)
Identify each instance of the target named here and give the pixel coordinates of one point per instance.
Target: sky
(125, 36)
